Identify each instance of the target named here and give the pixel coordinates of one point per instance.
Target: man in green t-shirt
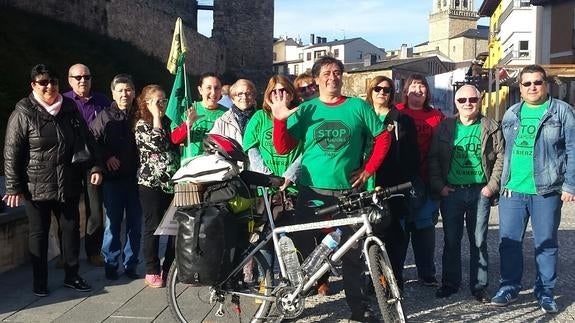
(538, 176)
(334, 130)
(465, 164)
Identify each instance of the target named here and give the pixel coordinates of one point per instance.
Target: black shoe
(111, 273)
(481, 295)
(78, 284)
(131, 273)
(365, 315)
(429, 281)
(41, 291)
(445, 291)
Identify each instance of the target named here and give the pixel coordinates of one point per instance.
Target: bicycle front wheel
(192, 303)
(386, 290)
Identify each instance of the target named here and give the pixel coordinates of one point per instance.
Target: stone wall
(243, 30)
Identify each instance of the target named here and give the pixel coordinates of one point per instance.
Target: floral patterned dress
(159, 157)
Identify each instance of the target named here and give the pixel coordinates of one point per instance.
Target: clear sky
(384, 23)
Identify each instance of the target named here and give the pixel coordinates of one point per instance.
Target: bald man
(465, 166)
(89, 104)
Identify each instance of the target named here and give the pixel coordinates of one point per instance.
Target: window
(308, 58)
(275, 56)
(523, 48)
(296, 69)
(336, 53)
(318, 53)
(524, 3)
(453, 50)
(300, 56)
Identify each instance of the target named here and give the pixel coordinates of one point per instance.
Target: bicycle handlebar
(357, 201)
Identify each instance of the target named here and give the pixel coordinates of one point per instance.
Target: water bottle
(321, 252)
(290, 259)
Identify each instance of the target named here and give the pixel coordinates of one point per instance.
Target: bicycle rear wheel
(192, 304)
(386, 290)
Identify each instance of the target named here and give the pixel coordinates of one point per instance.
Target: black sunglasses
(472, 99)
(307, 88)
(79, 77)
(386, 89)
(536, 83)
(46, 82)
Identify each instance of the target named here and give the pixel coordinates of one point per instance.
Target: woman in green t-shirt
(257, 140)
(200, 118)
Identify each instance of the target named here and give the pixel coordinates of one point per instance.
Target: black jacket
(38, 151)
(114, 134)
(402, 161)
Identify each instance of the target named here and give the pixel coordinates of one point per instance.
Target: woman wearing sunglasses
(159, 160)
(39, 150)
(400, 166)
(306, 87)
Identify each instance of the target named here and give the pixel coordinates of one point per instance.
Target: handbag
(81, 152)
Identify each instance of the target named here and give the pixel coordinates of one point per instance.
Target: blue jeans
(514, 212)
(121, 196)
(469, 205)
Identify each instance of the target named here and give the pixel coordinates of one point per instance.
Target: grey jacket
(441, 153)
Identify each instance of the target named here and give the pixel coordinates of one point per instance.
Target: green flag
(179, 100)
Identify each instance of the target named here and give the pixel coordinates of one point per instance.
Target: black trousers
(94, 217)
(305, 241)
(155, 202)
(39, 218)
(395, 239)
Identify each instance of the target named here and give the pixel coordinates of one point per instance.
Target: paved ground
(130, 301)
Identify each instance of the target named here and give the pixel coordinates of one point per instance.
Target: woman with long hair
(159, 160)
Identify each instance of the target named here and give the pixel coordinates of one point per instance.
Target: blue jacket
(554, 151)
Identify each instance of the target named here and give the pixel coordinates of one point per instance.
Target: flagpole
(187, 100)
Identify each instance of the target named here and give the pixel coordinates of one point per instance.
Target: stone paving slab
(130, 301)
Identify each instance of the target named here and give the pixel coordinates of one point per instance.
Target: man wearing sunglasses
(89, 104)
(465, 164)
(538, 176)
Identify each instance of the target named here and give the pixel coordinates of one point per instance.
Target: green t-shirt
(258, 134)
(334, 138)
(521, 166)
(370, 183)
(465, 165)
(199, 129)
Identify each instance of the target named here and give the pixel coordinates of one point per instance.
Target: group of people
(324, 144)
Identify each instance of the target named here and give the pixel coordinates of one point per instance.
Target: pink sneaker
(154, 281)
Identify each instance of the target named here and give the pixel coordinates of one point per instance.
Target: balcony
(516, 54)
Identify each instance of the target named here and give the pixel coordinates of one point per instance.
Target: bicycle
(290, 300)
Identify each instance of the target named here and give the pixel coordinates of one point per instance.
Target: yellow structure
(493, 9)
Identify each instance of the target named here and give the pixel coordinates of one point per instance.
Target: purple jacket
(90, 108)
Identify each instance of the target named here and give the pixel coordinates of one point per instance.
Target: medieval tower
(447, 20)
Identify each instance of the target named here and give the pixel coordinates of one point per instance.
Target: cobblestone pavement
(130, 301)
(421, 305)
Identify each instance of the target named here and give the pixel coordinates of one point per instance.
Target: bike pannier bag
(204, 244)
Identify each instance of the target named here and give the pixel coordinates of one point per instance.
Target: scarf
(242, 117)
(51, 109)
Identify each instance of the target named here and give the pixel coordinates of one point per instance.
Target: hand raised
(192, 116)
(278, 101)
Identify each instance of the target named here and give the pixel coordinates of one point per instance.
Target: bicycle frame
(365, 231)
